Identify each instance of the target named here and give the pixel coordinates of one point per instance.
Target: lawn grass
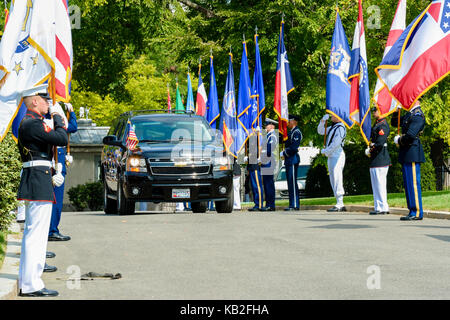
(431, 200)
(2, 247)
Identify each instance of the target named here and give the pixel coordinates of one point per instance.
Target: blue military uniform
(254, 171)
(72, 127)
(267, 168)
(291, 162)
(410, 156)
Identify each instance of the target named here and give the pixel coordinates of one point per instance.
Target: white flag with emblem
(26, 51)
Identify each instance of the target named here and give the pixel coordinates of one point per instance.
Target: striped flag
(169, 103)
(420, 58)
(200, 108)
(64, 53)
(283, 85)
(359, 79)
(386, 105)
(132, 139)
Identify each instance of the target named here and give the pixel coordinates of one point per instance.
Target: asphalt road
(302, 255)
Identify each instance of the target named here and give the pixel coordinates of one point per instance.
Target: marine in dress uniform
(36, 140)
(410, 156)
(268, 164)
(254, 170)
(54, 234)
(236, 185)
(291, 162)
(379, 162)
(336, 157)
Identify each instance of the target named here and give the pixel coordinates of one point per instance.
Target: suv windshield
(172, 130)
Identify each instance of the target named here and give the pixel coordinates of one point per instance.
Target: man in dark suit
(379, 162)
(291, 162)
(410, 156)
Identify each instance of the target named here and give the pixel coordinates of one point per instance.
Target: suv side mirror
(112, 141)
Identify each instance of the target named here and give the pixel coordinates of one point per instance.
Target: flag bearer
(36, 141)
(291, 161)
(254, 170)
(379, 162)
(268, 165)
(410, 156)
(336, 157)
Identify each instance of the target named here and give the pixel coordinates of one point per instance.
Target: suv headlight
(136, 164)
(221, 163)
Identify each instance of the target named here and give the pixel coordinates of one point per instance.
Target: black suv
(179, 158)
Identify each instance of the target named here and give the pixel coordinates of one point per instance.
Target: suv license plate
(181, 193)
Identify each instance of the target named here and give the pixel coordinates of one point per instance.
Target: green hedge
(10, 166)
(357, 175)
(88, 195)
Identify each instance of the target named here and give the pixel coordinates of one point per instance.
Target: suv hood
(180, 151)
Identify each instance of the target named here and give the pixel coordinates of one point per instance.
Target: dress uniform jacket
(36, 140)
(379, 154)
(412, 124)
(268, 160)
(291, 147)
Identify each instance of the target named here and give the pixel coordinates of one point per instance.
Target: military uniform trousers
(34, 245)
(291, 177)
(257, 188)
(413, 190)
(336, 168)
(378, 180)
(59, 196)
(269, 190)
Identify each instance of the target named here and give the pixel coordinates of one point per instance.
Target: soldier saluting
(410, 156)
(36, 142)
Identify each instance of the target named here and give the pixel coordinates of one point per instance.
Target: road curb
(397, 211)
(10, 269)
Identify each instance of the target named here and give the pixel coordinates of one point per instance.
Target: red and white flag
(202, 98)
(420, 58)
(64, 52)
(169, 103)
(386, 105)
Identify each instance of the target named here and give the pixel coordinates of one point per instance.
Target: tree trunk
(208, 13)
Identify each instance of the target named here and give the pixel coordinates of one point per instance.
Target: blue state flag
(212, 106)
(244, 102)
(338, 86)
(190, 107)
(258, 94)
(228, 121)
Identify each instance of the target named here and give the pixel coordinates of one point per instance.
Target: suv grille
(176, 171)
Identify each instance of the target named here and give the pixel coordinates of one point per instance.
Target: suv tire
(225, 206)
(199, 207)
(124, 206)
(110, 205)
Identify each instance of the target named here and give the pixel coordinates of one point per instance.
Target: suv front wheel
(124, 206)
(225, 206)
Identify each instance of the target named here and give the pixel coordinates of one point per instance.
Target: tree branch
(208, 13)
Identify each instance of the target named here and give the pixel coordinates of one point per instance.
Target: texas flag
(386, 105)
(201, 95)
(420, 58)
(283, 85)
(359, 79)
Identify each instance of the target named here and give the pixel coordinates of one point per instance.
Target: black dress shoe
(270, 209)
(255, 209)
(375, 212)
(41, 293)
(48, 268)
(58, 237)
(290, 209)
(20, 221)
(336, 209)
(409, 218)
(50, 255)
(384, 212)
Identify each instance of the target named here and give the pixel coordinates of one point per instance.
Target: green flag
(179, 103)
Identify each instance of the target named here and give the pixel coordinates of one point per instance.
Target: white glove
(326, 117)
(58, 180)
(245, 159)
(368, 152)
(396, 138)
(258, 129)
(281, 154)
(69, 159)
(69, 107)
(259, 161)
